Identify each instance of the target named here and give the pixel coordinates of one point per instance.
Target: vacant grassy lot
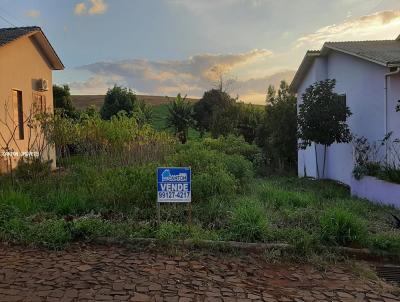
(230, 202)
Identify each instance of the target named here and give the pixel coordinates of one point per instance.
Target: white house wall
(363, 84)
(393, 116)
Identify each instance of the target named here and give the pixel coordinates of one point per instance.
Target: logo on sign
(167, 176)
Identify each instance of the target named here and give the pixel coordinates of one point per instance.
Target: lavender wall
(376, 190)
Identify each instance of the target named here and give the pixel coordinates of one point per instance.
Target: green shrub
(389, 242)
(248, 222)
(35, 169)
(50, 233)
(16, 230)
(233, 145)
(341, 227)
(212, 213)
(90, 228)
(212, 184)
(7, 212)
(240, 168)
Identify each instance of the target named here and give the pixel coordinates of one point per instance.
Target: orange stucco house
(27, 60)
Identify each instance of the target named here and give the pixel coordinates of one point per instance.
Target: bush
(389, 241)
(341, 227)
(33, 169)
(248, 222)
(50, 233)
(233, 145)
(211, 213)
(212, 184)
(7, 212)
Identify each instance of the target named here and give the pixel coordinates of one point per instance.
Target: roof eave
(54, 59)
(303, 69)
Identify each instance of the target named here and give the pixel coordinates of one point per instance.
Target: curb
(257, 248)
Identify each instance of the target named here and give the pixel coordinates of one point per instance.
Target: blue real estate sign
(174, 185)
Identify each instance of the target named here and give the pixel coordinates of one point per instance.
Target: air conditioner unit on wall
(43, 85)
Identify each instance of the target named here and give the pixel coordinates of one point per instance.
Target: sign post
(174, 185)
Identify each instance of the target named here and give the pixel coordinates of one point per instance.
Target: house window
(18, 113)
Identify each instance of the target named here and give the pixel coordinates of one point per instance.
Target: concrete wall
(363, 84)
(376, 190)
(22, 64)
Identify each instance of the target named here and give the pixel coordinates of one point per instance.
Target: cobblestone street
(115, 274)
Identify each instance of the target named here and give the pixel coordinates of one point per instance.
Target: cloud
(97, 7)
(80, 8)
(380, 25)
(33, 13)
(191, 76)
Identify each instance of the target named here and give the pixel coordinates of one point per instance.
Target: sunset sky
(163, 47)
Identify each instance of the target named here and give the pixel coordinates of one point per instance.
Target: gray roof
(386, 52)
(8, 35)
(382, 52)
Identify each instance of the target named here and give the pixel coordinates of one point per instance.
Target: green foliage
(277, 131)
(368, 161)
(216, 112)
(180, 117)
(210, 184)
(342, 227)
(33, 168)
(249, 119)
(281, 198)
(51, 233)
(118, 99)
(214, 173)
(248, 222)
(63, 102)
(232, 144)
(389, 241)
(322, 116)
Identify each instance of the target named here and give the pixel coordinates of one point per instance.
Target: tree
(143, 113)
(249, 119)
(118, 99)
(180, 117)
(63, 102)
(277, 132)
(216, 112)
(322, 118)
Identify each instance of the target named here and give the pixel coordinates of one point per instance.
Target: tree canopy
(277, 132)
(118, 99)
(180, 117)
(63, 101)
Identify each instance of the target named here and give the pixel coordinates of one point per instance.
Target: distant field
(83, 101)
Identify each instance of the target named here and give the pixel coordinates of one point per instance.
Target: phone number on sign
(173, 195)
